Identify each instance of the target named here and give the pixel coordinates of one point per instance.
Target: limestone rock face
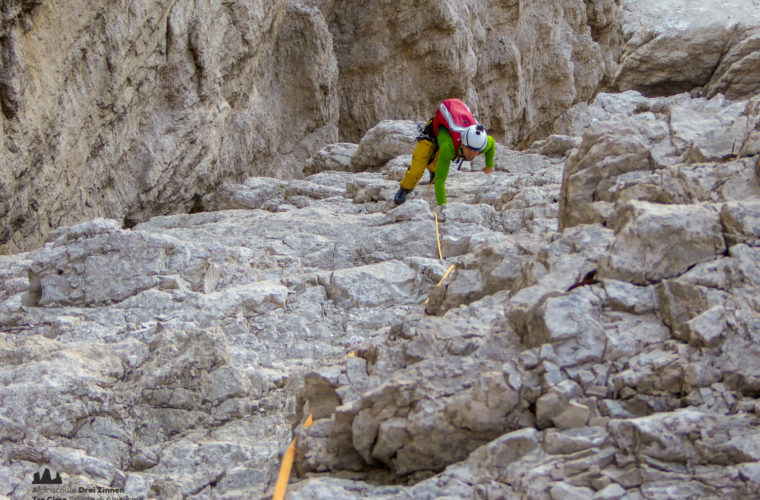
(655, 242)
(581, 323)
(672, 150)
(168, 356)
(633, 324)
(182, 355)
(677, 45)
(129, 111)
(517, 65)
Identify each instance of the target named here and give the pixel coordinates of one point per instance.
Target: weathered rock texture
(616, 358)
(130, 110)
(672, 150)
(126, 110)
(518, 64)
(596, 337)
(674, 46)
(164, 359)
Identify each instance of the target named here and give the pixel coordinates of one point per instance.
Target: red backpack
(456, 117)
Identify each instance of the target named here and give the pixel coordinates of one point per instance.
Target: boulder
(678, 46)
(332, 157)
(385, 141)
(655, 242)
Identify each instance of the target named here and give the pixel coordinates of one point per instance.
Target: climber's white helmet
(475, 137)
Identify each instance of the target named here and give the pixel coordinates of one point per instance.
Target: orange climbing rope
(444, 277)
(440, 254)
(438, 236)
(287, 465)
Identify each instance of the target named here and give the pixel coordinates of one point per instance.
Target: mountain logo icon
(46, 479)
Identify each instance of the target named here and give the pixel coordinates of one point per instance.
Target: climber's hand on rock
(488, 170)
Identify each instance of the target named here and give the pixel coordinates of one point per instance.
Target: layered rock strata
(125, 111)
(615, 358)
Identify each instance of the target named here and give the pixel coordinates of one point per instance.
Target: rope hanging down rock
(440, 254)
(287, 465)
(287, 460)
(444, 277)
(438, 236)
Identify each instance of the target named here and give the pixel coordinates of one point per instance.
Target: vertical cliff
(127, 109)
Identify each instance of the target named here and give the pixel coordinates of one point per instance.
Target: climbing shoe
(401, 196)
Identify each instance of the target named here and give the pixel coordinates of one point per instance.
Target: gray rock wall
(517, 64)
(138, 110)
(132, 110)
(596, 336)
(677, 46)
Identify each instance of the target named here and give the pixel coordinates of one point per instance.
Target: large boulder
(676, 46)
(385, 141)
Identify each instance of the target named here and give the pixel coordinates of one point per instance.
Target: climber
(452, 134)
